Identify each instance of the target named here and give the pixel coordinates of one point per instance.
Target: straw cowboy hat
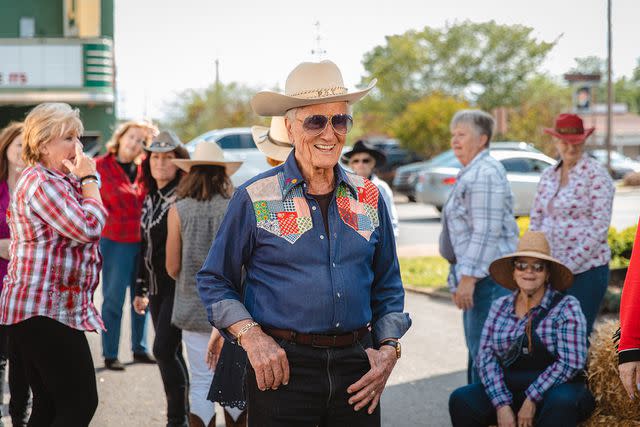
(273, 141)
(208, 154)
(532, 244)
(309, 83)
(570, 128)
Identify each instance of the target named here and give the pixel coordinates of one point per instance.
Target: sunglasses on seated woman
(538, 266)
(317, 123)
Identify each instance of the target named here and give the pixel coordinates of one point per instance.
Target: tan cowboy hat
(309, 83)
(208, 154)
(532, 244)
(273, 141)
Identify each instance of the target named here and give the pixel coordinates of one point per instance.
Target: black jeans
(167, 349)
(18, 384)
(317, 391)
(59, 369)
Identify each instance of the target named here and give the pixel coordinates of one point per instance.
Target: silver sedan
(523, 172)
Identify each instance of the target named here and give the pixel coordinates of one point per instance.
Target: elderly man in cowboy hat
(303, 273)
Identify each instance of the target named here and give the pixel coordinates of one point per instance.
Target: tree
(226, 105)
(484, 63)
(541, 100)
(424, 125)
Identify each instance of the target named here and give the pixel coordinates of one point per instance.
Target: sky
(164, 47)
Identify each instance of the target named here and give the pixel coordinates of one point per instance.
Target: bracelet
(244, 330)
(88, 181)
(88, 177)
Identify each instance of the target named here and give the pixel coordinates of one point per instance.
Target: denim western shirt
(272, 260)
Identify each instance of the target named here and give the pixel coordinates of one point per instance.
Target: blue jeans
(485, 293)
(589, 288)
(563, 405)
(119, 271)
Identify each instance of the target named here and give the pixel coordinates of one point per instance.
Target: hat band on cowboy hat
(570, 128)
(208, 154)
(532, 244)
(310, 83)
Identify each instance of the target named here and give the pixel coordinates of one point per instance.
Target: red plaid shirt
(55, 260)
(122, 199)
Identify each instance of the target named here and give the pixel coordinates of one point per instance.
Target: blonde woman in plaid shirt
(56, 217)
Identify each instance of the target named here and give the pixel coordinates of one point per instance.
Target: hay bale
(613, 406)
(632, 179)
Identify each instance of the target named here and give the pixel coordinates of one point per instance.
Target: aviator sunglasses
(537, 267)
(317, 123)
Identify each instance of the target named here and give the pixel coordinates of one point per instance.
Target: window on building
(27, 26)
(82, 18)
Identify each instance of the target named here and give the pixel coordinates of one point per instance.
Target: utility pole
(609, 88)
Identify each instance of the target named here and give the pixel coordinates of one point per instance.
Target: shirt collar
(293, 177)
(54, 173)
(478, 158)
(582, 160)
(544, 303)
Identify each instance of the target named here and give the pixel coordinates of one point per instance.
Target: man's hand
(213, 349)
(506, 417)
(464, 294)
(526, 413)
(140, 304)
(267, 358)
(369, 388)
(630, 377)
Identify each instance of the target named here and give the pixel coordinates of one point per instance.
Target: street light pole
(609, 88)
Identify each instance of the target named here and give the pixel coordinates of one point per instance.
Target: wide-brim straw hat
(310, 83)
(273, 141)
(208, 154)
(532, 244)
(570, 128)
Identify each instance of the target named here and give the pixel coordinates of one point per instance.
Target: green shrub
(621, 242)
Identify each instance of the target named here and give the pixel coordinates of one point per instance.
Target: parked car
(620, 164)
(523, 167)
(406, 177)
(238, 145)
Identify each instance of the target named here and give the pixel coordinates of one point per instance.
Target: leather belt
(318, 340)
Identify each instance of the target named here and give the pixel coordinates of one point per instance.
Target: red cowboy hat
(569, 128)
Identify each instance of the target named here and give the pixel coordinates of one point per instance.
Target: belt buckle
(313, 341)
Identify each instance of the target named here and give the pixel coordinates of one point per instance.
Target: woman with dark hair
(203, 196)
(11, 166)
(154, 286)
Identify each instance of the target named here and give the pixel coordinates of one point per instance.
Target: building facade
(59, 51)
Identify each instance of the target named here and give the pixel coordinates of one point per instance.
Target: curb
(434, 293)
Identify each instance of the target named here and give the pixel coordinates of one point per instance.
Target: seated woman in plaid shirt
(533, 348)
(55, 217)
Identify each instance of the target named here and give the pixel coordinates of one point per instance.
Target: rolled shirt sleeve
(79, 220)
(387, 294)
